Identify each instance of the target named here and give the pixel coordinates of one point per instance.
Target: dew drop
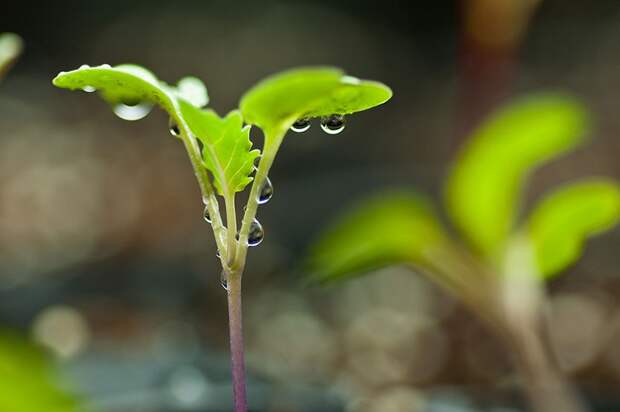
(89, 89)
(256, 235)
(218, 254)
(105, 66)
(333, 124)
(174, 128)
(205, 215)
(224, 280)
(301, 125)
(84, 66)
(266, 192)
(132, 112)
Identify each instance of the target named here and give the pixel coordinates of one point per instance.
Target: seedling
(220, 149)
(500, 263)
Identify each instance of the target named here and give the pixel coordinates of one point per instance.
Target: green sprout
(499, 264)
(220, 149)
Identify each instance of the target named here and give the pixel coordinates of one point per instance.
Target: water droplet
(84, 66)
(218, 254)
(105, 66)
(350, 80)
(132, 112)
(301, 125)
(89, 89)
(266, 192)
(174, 128)
(224, 280)
(256, 235)
(333, 124)
(205, 215)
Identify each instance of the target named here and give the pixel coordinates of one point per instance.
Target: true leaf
(484, 187)
(277, 101)
(226, 147)
(10, 47)
(564, 219)
(396, 227)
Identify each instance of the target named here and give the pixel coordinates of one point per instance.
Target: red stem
(236, 342)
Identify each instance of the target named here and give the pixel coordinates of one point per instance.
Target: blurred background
(106, 263)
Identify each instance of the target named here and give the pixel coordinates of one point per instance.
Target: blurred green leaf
(560, 224)
(277, 101)
(484, 187)
(27, 379)
(394, 227)
(10, 47)
(226, 147)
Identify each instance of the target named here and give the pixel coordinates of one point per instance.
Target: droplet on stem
(224, 280)
(301, 125)
(266, 192)
(333, 124)
(206, 215)
(256, 234)
(174, 128)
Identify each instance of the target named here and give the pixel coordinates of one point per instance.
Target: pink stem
(236, 342)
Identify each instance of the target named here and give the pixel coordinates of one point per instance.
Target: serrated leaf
(276, 102)
(485, 185)
(226, 147)
(565, 218)
(395, 227)
(10, 47)
(27, 380)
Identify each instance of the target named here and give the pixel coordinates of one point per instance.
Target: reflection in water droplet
(266, 192)
(301, 125)
(205, 214)
(174, 128)
(132, 112)
(89, 89)
(333, 124)
(256, 235)
(224, 280)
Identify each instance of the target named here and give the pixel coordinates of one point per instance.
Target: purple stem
(236, 342)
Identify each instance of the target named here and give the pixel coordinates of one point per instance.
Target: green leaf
(28, 381)
(484, 188)
(128, 84)
(394, 227)
(10, 47)
(276, 102)
(226, 147)
(560, 224)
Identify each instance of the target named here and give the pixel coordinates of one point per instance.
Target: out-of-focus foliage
(10, 47)
(391, 228)
(483, 198)
(27, 379)
(484, 187)
(276, 102)
(563, 220)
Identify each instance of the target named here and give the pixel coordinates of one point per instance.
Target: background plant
(220, 149)
(500, 263)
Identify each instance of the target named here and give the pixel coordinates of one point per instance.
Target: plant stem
(236, 342)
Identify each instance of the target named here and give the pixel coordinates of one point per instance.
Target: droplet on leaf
(256, 235)
(266, 192)
(301, 125)
(132, 112)
(333, 124)
(89, 89)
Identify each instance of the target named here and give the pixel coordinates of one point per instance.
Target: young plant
(220, 149)
(499, 266)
